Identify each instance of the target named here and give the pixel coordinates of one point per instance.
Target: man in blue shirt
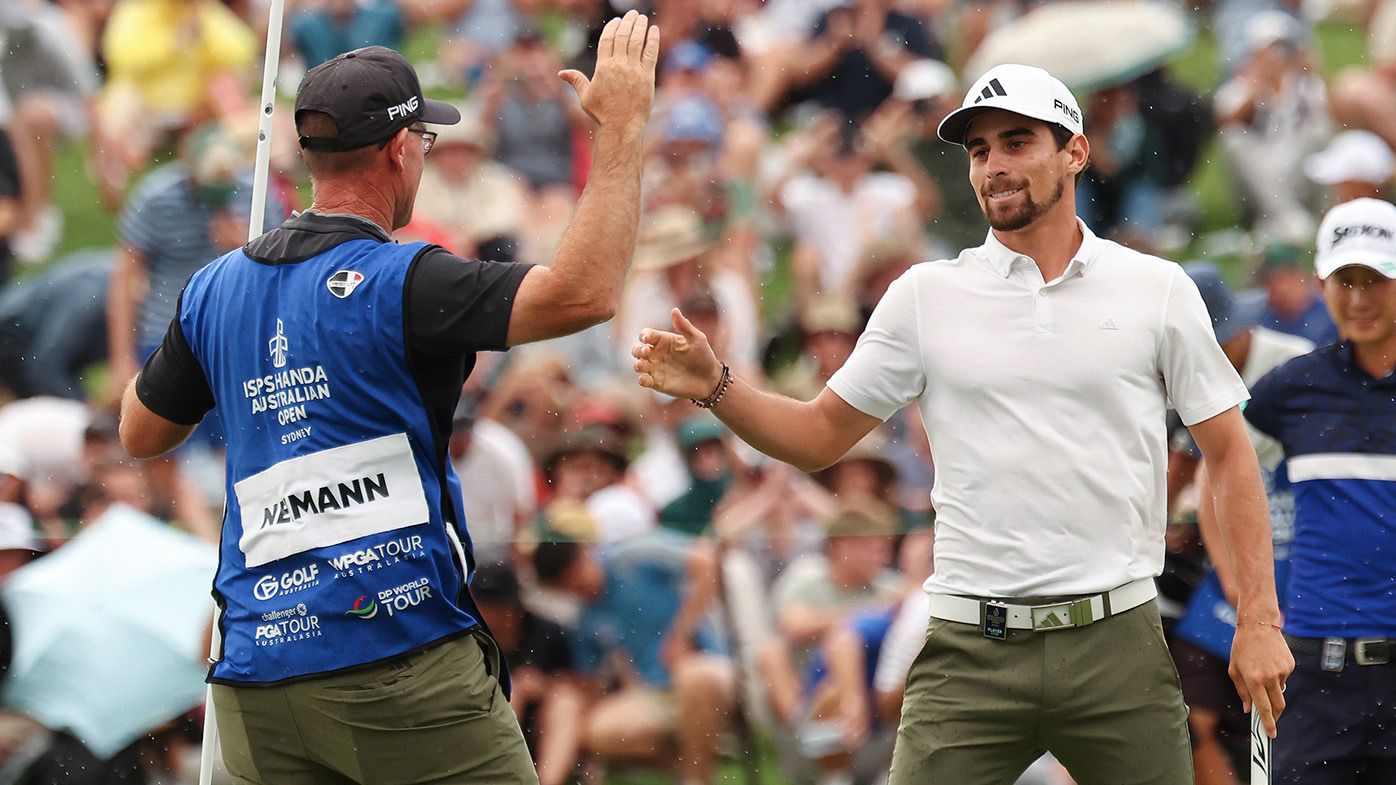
(1334, 412)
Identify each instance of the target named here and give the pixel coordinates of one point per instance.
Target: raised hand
(681, 363)
(621, 91)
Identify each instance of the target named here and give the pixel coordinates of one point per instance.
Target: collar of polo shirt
(1001, 257)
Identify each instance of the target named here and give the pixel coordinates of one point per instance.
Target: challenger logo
(343, 283)
(363, 611)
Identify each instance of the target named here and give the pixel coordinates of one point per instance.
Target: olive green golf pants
(1104, 699)
(436, 716)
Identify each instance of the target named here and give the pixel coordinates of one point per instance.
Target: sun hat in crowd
(370, 94)
(923, 79)
(1361, 232)
(1021, 89)
(1352, 156)
(670, 235)
(1232, 314)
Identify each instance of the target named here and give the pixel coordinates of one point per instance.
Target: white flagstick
(269, 68)
(1260, 750)
(260, 175)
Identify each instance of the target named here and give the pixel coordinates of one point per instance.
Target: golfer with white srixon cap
(1334, 413)
(351, 649)
(1043, 362)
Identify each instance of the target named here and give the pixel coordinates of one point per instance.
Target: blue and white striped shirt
(1337, 425)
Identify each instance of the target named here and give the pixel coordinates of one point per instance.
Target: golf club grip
(1260, 750)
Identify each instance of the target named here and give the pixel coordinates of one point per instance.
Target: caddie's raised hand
(681, 363)
(621, 90)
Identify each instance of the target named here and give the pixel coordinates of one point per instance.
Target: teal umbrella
(109, 630)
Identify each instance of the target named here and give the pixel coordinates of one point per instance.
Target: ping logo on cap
(1066, 110)
(403, 109)
(993, 88)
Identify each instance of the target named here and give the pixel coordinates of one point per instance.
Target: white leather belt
(993, 616)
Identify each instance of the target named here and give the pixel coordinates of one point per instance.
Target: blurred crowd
(664, 593)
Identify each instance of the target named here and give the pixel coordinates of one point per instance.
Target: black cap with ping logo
(370, 94)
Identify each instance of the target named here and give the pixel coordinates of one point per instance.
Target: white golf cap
(1359, 156)
(922, 79)
(1361, 232)
(1021, 89)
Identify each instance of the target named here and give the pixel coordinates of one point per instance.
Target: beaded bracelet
(722, 385)
(1261, 624)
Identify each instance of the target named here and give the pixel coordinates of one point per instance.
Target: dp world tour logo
(363, 611)
(343, 283)
(278, 346)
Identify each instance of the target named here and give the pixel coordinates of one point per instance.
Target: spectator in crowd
(10, 191)
(171, 64)
(951, 216)
(504, 495)
(588, 465)
(1334, 414)
(1271, 115)
(676, 260)
(479, 203)
(856, 53)
(709, 466)
(838, 208)
(1292, 303)
(829, 328)
(49, 76)
(324, 28)
(179, 217)
(641, 628)
(53, 326)
(548, 697)
(1354, 165)
(816, 593)
(1364, 94)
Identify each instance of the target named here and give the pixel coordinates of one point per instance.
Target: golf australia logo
(286, 626)
(289, 582)
(395, 600)
(343, 283)
(278, 346)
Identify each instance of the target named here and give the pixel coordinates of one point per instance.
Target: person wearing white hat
(1355, 165)
(1042, 362)
(1333, 411)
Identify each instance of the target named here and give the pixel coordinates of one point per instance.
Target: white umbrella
(1088, 44)
(109, 630)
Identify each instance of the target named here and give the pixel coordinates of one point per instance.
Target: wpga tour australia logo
(278, 346)
(343, 283)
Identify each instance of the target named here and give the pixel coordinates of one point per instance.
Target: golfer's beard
(1013, 219)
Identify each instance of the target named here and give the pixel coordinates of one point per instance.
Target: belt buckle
(1362, 657)
(1062, 615)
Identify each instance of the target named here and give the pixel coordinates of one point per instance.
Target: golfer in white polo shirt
(1043, 362)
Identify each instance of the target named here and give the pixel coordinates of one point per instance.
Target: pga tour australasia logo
(343, 283)
(278, 346)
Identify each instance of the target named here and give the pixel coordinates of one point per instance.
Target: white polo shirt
(1044, 404)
